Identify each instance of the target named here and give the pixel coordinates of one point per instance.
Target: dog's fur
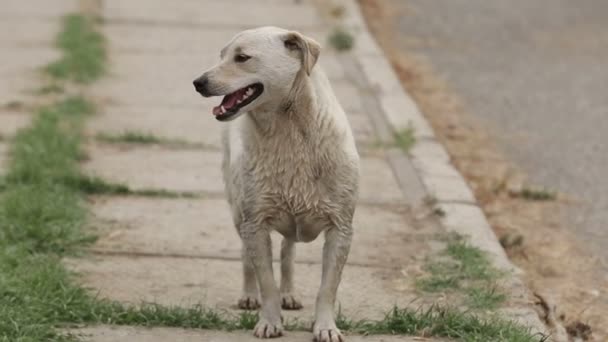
(290, 165)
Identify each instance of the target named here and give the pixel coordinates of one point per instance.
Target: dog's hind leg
(335, 253)
(288, 298)
(249, 300)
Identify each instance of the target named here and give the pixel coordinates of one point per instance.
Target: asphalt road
(536, 74)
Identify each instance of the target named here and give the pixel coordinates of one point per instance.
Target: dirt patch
(535, 238)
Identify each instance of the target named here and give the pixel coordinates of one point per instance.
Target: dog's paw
(249, 303)
(327, 333)
(267, 329)
(290, 302)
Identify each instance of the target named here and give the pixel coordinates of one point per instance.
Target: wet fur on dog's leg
(335, 253)
(250, 299)
(258, 247)
(288, 298)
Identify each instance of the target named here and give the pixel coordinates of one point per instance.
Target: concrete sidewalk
(185, 251)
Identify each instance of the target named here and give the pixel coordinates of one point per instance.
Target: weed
(487, 297)
(511, 241)
(135, 137)
(91, 185)
(341, 39)
(337, 11)
(441, 322)
(465, 269)
(405, 139)
(130, 137)
(534, 194)
(49, 89)
(84, 54)
(14, 105)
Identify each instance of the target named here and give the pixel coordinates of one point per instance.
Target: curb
(432, 164)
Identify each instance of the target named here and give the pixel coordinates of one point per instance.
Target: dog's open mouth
(233, 102)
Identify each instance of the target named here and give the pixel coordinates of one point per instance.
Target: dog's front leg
(249, 299)
(259, 250)
(335, 253)
(288, 298)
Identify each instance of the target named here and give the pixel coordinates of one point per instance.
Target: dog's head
(257, 68)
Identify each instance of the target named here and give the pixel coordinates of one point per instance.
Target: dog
(289, 164)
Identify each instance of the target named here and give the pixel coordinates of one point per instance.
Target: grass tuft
(97, 186)
(84, 54)
(487, 298)
(131, 137)
(143, 138)
(405, 139)
(441, 322)
(464, 268)
(341, 39)
(49, 89)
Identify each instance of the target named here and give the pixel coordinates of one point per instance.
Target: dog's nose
(200, 84)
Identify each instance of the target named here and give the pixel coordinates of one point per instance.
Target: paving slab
(217, 284)
(33, 32)
(11, 122)
(17, 9)
(362, 127)
(192, 124)
(19, 69)
(143, 334)
(228, 13)
(143, 167)
(349, 96)
(378, 183)
(203, 228)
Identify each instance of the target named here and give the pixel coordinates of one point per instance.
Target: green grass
(405, 139)
(97, 186)
(131, 137)
(466, 269)
(41, 219)
(50, 89)
(341, 39)
(144, 138)
(441, 322)
(84, 54)
(486, 297)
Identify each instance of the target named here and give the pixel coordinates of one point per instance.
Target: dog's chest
(293, 173)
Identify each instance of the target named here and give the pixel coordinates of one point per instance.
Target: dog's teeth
(222, 109)
(249, 91)
(238, 101)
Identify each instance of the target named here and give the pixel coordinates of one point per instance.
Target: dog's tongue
(229, 101)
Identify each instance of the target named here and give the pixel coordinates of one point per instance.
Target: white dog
(290, 165)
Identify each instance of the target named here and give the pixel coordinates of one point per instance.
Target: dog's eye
(240, 58)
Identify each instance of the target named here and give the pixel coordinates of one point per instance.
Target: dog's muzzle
(201, 86)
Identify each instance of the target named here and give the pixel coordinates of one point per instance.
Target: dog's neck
(299, 107)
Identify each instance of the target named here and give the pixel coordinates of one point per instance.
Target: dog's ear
(309, 49)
